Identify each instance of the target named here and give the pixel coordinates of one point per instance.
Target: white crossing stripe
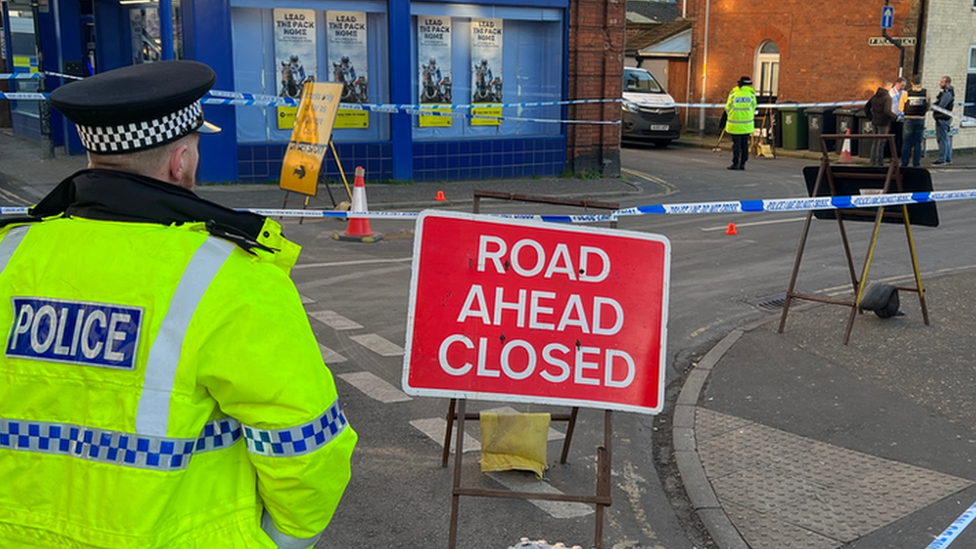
(330, 356)
(552, 435)
(521, 482)
(375, 388)
(378, 344)
(434, 428)
(305, 299)
(334, 320)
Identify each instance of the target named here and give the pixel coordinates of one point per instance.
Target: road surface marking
(755, 223)
(378, 344)
(330, 356)
(357, 277)
(436, 426)
(375, 388)
(348, 263)
(334, 320)
(521, 482)
(305, 299)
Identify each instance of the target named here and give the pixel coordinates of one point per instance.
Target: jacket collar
(108, 195)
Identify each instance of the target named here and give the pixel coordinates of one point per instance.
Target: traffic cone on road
(845, 150)
(731, 229)
(357, 228)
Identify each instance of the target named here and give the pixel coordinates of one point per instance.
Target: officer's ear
(178, 162)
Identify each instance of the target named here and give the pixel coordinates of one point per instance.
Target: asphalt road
(357, 294)
(400, 496)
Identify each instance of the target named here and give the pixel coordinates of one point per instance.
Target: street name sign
(881, 41)
(513, 310)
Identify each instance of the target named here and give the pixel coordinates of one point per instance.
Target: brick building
(797, 50)
(596, 61)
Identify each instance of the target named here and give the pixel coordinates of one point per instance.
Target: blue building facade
(442, 54)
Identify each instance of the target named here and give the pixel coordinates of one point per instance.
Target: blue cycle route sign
(887, 17)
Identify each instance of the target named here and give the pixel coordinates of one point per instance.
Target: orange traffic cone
(845, 150)
(357, 228)
(731, 229)
(440, 196)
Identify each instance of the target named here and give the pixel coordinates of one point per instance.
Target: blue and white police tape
(583, 218)
(733, 206)
(727, 207)
(799, 204)
(20, 76)
(952, 532)
(960, 117)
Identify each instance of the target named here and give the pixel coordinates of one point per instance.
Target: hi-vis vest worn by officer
(160, 386)
(916, 103)
(741, 109)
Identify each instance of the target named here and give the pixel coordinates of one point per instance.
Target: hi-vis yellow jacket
(160, 386)
(741, 110)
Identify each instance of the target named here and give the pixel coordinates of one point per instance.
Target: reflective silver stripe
(152, 417)
(10, 243)
(116, 447)
(300, 440)
(284, 541)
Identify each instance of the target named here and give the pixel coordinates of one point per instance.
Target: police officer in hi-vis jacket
(161, 385)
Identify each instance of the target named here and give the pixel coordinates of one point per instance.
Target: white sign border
(501, 397)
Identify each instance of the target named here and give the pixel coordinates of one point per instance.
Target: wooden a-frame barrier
(901, 215)
(456, 413)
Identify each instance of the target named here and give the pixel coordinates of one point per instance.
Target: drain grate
(772, 303)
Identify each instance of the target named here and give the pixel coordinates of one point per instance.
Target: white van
(645, 116)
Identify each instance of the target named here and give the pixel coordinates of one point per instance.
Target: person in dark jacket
(943, 122)
(882, 117)
(914, 103)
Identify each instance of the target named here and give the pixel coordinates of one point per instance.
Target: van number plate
(659, 128)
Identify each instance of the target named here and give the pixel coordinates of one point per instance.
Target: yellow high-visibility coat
(741, 110)
(161, 387)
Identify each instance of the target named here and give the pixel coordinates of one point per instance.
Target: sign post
(519, 311)
(887, 22)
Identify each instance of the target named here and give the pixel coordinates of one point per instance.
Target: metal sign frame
(826, 171)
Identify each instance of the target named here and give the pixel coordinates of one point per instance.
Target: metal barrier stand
(893, 173)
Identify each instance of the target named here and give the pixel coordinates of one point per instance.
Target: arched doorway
(767, 69)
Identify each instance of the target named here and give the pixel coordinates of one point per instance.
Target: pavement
(782, 440)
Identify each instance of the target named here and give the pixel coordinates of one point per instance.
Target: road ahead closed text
(509, 310)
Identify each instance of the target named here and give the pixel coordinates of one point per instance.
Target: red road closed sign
(520, 311)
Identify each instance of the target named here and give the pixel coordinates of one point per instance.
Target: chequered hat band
(141, 135)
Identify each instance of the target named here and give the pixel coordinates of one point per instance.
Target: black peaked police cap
(137, 107)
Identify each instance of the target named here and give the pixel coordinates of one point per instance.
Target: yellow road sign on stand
(310, 137)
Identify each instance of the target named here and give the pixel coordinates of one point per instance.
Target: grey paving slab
(766, 477)
(769, 532)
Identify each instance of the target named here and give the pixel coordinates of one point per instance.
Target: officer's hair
(917, 80)
(948, 79)
(147, 162)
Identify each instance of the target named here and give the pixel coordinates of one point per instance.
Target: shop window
(486, 56)
(277, 49)
(23, 53)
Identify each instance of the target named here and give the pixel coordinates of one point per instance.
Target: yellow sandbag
(514, 441)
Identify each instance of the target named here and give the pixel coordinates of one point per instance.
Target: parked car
(646, 114)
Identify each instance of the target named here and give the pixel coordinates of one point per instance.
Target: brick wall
(596, 59)
(824, 51)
